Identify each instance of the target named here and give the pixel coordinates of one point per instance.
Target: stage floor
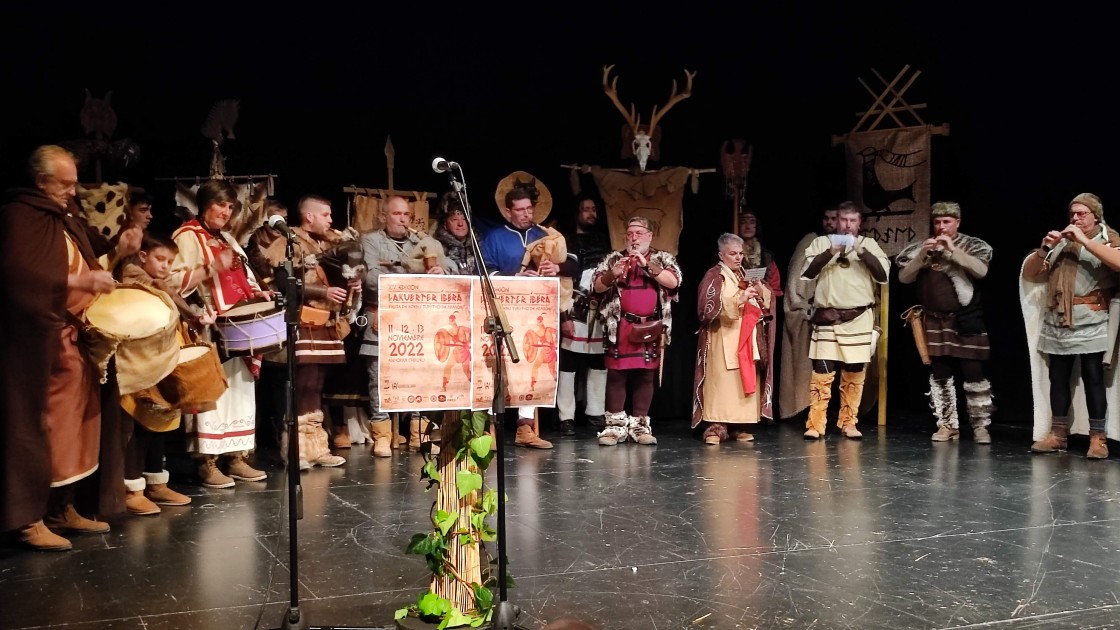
(888, 532)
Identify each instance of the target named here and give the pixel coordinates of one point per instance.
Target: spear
(390, 153)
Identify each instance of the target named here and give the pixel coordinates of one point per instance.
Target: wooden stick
(905, 105)
(873, 110)
(387, 192)
(936, 130)
(898, 95)
(898, 109)
(881, 351)
(879, 98)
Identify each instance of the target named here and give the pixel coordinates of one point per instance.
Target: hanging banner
(532, 308)
(434, 353)
(104, 206)
(248, 212)
(368, 209)
(424, 360)
(888, 175)
(657, 196)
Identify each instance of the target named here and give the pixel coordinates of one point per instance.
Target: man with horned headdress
(946, 268)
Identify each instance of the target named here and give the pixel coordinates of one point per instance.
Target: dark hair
(521, 191)
(449, 204)
(151, 242)
(272, 203)
(214, 191)
(309, 198)
(140, 197)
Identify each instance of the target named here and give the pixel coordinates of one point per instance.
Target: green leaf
(483, 597)
(481, 445)
(467, 482)
(480, 422)
(487, 533)
(445, 521)
(422, 544)
(466, 539)
(490, 502)
(401, 613)
(430, 471)
(432, 605)
(456, 618)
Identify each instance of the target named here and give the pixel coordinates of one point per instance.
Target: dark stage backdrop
(502, 90)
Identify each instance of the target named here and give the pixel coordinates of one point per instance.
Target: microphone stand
(497, 326)
(293, 299)
(294, 618)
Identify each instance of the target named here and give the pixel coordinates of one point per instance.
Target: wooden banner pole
(881, 351)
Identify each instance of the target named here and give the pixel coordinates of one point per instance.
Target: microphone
(277, 223)
(441, 165)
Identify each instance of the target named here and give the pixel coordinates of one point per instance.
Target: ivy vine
(473, 444)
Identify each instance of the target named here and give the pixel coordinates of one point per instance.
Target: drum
(137, 324)
(197, 380)
(251, 327)
(152, 413)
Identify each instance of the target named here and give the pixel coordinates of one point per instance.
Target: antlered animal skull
(640, 141)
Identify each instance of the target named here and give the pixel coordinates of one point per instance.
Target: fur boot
(135, 501)
(943, 402)
(820, 394)
(616, 429)
(851, 391)
(978, 398)
(157, 491)
(641, 432)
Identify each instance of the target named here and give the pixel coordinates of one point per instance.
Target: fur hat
(1092, 202)
(945, 209)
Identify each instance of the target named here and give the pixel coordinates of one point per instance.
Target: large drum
(251, 327)
(197, 380)
(137, 324)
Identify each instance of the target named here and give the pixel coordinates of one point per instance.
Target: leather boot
(382, 433)
(240, 469)
(979, 400)
(68, 520)
(157, 491)
(1056, 439)
(820, 393)
(340, 433)
(715, 433)
(943, 401)
(528, 438)
(419, 433)
(312, 438)
(210, 475)
(39, 538)
(414, 433)
(851, 391)
(1098, 445)
(135, 501)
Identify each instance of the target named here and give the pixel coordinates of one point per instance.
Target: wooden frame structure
(889, 103)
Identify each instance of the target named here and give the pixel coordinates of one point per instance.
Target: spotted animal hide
(104, 206)
(248, 213)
